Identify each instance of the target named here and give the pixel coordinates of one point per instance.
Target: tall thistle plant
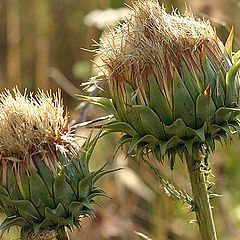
(45, 182)
(174, 90)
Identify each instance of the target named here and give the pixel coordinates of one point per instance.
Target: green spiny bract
(45, 182)
(174, 86)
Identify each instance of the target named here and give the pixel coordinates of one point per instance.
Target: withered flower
(45, 182)
(174, 89)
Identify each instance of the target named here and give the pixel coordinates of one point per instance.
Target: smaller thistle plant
(45, 182)
(174, 89)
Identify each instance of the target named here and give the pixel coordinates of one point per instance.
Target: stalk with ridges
(203, 208)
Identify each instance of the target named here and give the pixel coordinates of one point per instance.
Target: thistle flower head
(29, 124)
(174, 85)
(45, 182)
(155, 42)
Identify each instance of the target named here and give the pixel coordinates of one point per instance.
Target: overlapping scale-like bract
(45, 182)
(174, 86)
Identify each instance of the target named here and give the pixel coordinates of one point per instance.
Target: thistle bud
(45, 182)
(174, 85)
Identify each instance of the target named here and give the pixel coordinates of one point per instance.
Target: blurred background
(41, 46)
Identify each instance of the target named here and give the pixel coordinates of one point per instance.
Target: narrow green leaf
(199, 78)
(6, 206)
(189, 146)
(23, 181)
(72, 173)
(102, 102)
(216, 129)
(218, 93)
(117, 126)
(13, 221)
(210, 143)
(157, 153)
(54, 214)
(124, 139)
(205, 109)
(210, 75)
(103, 172)
(236, 56)
(229, 43)
(45, 173)
(45, 224)
(133, 119)
(163, 147)
(83, 163)
(40, 196)
(190, 82)
(158, 102)
(133, 144)
(183, 105)
(223, 114)
(177, 128)
(231, 85)
(173, 142)
(97, 192)
(200, 132)
(147, 139)
(36, 228)
(75, 208)
(12, 186)
(86, 203)
(85, 184)
(145, 121)
(140, 150)
(131, 94)
(118, 101)
(27, 207)
(235, 125)
(63, 192)
(65, 221)
(223, 137)
(3, 191)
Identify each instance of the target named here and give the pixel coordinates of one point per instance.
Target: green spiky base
(62, 234)
(145, 132)
(41, 202)
(175, 106)
(178, 138)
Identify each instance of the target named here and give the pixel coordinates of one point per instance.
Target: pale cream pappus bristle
(31, 124)
(151, 41)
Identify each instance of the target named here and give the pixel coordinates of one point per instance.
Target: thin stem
(201, 197)
(169, 188)
(62, 234)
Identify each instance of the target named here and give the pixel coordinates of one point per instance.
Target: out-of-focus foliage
(40, 46)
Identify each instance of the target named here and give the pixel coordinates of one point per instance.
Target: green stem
(62, 234)
(201, 197)
(169, 188)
